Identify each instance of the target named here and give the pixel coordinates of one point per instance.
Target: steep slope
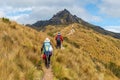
(87, 54)
(19, 52)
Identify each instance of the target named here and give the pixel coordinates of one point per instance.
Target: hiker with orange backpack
(47, 50)
(59, 40)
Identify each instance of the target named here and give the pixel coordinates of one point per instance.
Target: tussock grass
(86, 51)
(20, 52)
(84, 55)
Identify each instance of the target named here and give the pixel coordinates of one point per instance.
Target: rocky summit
(62, 17)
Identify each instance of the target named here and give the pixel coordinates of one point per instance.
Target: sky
(104, 13)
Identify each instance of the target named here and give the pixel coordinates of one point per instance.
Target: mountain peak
(62, 14)
(64, 11)
(62, 17)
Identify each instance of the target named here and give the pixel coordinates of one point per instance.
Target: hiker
(47, 50)
(59, 40)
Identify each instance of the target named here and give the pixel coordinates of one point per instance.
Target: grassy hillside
(19, 52)
(87, 55)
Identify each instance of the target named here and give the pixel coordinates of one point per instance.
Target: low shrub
(6, 20)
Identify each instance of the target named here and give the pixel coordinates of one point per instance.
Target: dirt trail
(48, 74)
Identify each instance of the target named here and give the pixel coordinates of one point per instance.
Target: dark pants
(58, 44)
(49, 58)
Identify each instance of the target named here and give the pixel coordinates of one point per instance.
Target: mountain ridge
(64, 17)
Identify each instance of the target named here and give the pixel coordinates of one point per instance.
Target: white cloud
(14, 13)
(84, 14)
(28, 3)
(2, 14)
(45, 13)
(110, 7)
(44, 9)
(113, 28)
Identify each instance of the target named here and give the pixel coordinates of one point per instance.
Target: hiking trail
(48, 74)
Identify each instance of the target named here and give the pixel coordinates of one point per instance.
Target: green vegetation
(114, 68)
(6, 20)
(50, 34)
(72, 42)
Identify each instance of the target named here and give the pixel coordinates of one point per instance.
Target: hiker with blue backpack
(47, 49)
(59, 40)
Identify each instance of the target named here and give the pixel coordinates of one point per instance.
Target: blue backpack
(47, 47)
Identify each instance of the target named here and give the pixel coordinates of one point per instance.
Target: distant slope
(101, 30)
(64, 17)
(87, 54)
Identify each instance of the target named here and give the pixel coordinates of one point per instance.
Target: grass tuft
(114, 68)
